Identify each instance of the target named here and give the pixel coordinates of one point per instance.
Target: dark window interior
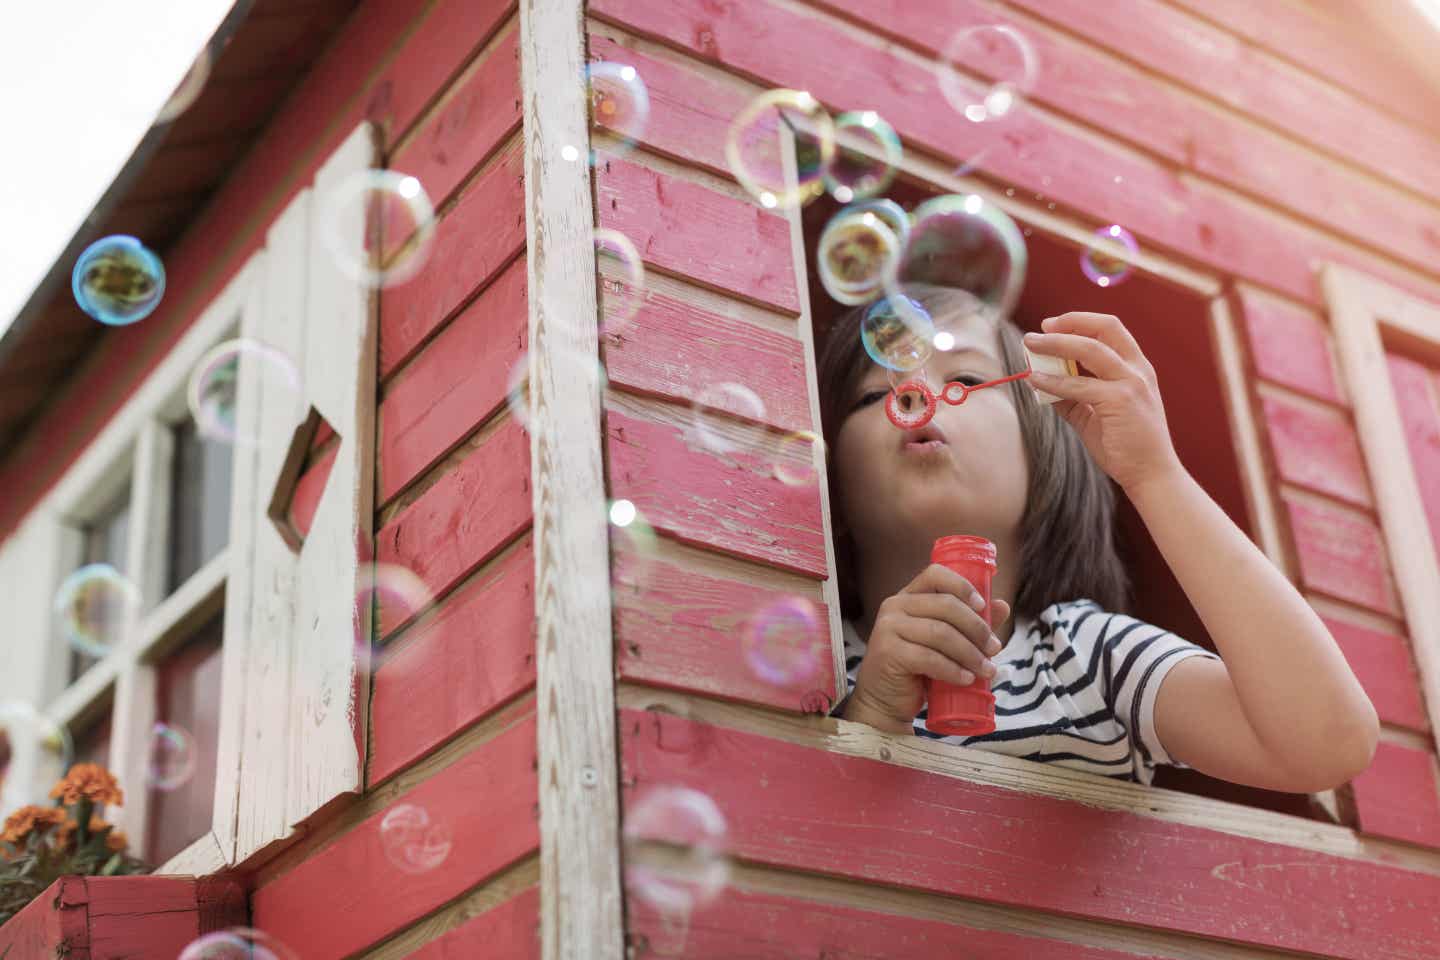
(200, 502)
(1171, 326)
(106, 538)
(188, 701)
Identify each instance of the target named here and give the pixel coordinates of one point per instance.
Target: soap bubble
(695, 870)
(856, 250)
(412, 841)
(189, 88)
(393, 594)
(964, 241)
(783, 641)
(632, 548)
(237, 943)
(897, 339)
(753, 147)
(95, 607)
(619, 103)
(517, 386)
(999, 52)
(25, 731)
(795, 462)
(709, 424)
(1109, 256)
(213, 389)
(379, 225)
(622, 279)
(857, 174)
(172, 757)
(118, 280)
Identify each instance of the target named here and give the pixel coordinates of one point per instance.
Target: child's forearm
(1292, 680)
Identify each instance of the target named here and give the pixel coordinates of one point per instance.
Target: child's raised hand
(929, 629)
(1117, 412)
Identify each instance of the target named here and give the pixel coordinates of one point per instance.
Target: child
(1076, 681)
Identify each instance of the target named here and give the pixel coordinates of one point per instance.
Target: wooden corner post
(580, 894)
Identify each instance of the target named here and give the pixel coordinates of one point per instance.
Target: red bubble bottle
(966, 711)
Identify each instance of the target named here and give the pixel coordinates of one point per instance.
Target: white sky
(81, 81)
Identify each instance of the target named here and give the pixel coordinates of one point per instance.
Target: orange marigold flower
(88, 781)
(117, 841)
(66, 835)
(28, 818)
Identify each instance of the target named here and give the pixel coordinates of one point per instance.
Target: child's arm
(1285, 711)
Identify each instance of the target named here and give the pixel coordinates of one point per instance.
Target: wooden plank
(1398, 796)
(684, 621)
(786, 45)
(678, 226)
(308, 490)
(465, 517)
(479, 111)
(1289, 344)
(729, 501)
(455, 383)
(1341, 554)
(456, 666)
(486, 799)
(509, 930)
(47, 922)
(675, 349)
(474, 241)
(149, 915)
(1417, 393)
(1175, 44)
(580, 893)
(1316, 447)
(1383, 665)
(1116, 867)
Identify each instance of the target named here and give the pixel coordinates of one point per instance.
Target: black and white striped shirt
(1076, 686)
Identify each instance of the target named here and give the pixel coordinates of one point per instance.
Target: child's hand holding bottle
(931, 628)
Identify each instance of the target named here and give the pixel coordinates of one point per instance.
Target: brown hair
(1067, 533)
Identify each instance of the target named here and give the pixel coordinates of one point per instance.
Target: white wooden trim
(580, 893)
(193, 602)
(148, 557)
(202, 858)
(1359, 306)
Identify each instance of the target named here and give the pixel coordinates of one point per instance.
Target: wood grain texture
(456, 382)
(1398, 796)
(678, 226)
(481, 504)
(474, 241)
(475, 653)
(1316, 448)
(1289, 344)
(1417, 393)
(682, 626)
(1342, 554)
(510, 930)
(928, 832)
(581, 900)
(681, 352)
(730, 501)
(486, 799)
(1383, 665)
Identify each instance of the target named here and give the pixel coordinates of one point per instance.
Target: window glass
(200, 502)
(106, 539)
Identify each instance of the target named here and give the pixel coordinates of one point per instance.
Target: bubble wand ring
(913, 393)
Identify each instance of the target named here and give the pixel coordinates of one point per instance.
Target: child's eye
(870, 396)
(968, 379)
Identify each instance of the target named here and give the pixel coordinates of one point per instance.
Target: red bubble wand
(911, 405)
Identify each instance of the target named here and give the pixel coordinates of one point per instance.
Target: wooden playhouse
(1279, 165)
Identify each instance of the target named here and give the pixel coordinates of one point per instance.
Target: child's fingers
(1106, 327)
(1099, 357)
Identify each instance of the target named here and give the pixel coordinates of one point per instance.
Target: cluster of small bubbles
(25, 730)
(517, 387)
(754, 152)
(214, 386)
(898, 339)
(856, 249)
(968, 243)
(795, 463)
(379, 226)
(622, 279)
(189, 88)
(412, 840)
(393, 595)
(782, 643)
(1109, 256)
(237, 943)
(172, 757)
(709, 426)
(868, 153)
(95, 607)
(694, 869)
(619, 103)
(118, 280)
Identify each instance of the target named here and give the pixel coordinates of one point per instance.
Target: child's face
(895, 496)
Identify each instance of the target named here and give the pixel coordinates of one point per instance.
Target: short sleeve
(1136, 659)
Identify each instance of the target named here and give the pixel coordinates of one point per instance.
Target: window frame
(1362, 309)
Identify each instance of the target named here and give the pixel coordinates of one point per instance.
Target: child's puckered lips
(927, 438)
